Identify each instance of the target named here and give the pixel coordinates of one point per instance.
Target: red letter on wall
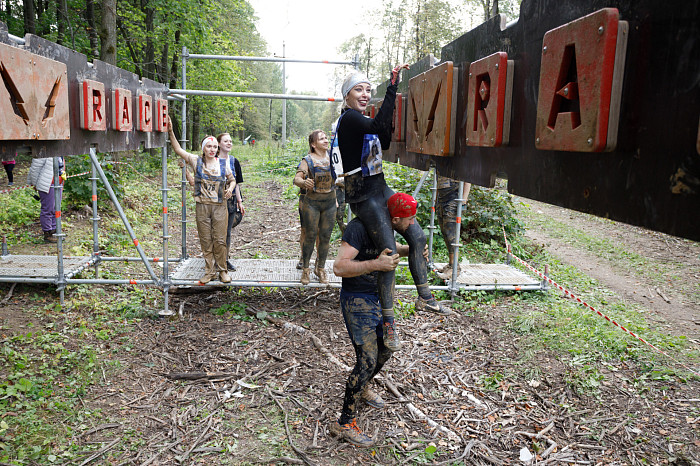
(489, 101)
(580, 84)
(92, 106)
(122, 112)
(162, 115)
(145, 113)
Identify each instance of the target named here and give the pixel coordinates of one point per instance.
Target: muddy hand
(395, 72)
(387, 261)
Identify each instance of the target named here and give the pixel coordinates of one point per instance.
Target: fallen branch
(99, 428)
(9, 294)
(100, 452)
(198, 375)
(301, 454)
(319, 345)
(196, 442)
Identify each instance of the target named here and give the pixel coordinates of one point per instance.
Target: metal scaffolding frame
(68, 268)
(65, 272)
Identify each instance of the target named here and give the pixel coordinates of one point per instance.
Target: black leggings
(374, 215)
(8, 170)
(318, 213)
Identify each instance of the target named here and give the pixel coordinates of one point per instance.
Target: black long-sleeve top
(351, 130)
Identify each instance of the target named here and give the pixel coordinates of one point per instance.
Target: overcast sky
(310, 30)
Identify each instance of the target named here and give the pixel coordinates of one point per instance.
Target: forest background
(146, 37)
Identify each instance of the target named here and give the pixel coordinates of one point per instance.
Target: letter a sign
(580, 84)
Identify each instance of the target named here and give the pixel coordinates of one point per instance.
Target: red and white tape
(585, 304)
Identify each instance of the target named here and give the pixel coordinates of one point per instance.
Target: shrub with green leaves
(78, 191)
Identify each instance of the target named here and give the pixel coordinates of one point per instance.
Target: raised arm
(174, 142)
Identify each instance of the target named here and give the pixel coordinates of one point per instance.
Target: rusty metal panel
(123, 110)
(62, 133)
(33, 96)
(92, 106)
(488, 109)
(576, 82)
(429, 115)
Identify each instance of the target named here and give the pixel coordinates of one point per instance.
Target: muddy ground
(207, 388)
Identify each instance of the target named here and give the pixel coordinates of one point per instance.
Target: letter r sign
(581, 84)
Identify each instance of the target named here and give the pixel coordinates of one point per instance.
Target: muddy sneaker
(305, 276)
(224, 277)
(432, 306)
(392, 342)
(351, 434)
(371, 397)
(321, 274)
(230, 266)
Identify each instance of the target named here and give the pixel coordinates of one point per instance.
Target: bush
(487, 213)
(78, 191)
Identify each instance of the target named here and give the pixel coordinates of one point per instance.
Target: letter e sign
(93, 105)
(581, 83)
(162, 116)
(145, 113)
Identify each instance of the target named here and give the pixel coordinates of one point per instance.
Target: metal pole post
(431, 227)
(122, 215)
(183, 142)
(284, 101)
(95, 219)
(57, 195)
(455, 258)
(166, 236)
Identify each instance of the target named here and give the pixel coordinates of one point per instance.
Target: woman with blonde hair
(210, 195)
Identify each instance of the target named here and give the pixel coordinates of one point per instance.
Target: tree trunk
(163, 68)
(61, 15)
(149, 51)
(91, 29)
(108, 32)
(176, 60)
(29, 17)
(195, 128)
(132, 52)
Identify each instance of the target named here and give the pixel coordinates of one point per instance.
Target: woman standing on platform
(211, 213)
(315, 174)
(360, 140)
(235, 202)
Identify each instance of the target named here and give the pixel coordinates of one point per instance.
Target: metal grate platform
(38, 266)
(272, 271)
(493, 274)
(253, 270)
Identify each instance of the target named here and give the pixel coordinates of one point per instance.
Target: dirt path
(256, 375)
(667, 289)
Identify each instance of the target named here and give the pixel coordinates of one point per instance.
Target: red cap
(402, 205)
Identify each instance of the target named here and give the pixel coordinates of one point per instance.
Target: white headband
(208, 139)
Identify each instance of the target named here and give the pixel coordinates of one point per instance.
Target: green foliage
(19, 209)
(77, 191)
(487, 213)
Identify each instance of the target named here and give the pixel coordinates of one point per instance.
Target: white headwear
(207, 140)
(351, 81)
